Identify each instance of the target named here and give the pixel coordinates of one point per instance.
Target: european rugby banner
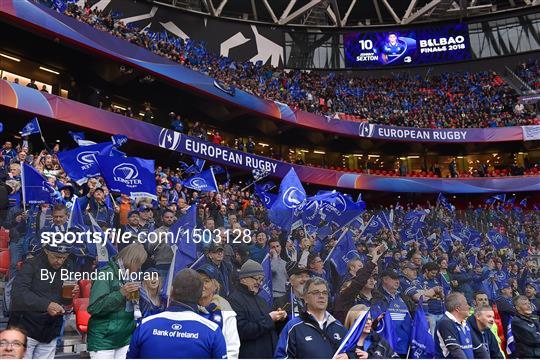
(129, 175)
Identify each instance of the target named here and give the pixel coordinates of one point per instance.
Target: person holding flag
(361, 342)
(315, 334)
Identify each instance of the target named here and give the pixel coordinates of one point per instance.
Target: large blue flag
(353, 335)
(183, 246)
(376, 223)
(285, 210)
(422, 345)
(199, 163)
(262, 191)
(500, 197)
(131, 176)
(203, 181)
(331, 207)
(441, 199)
(386, 329)
(35, 188)
(344, 251)
(266, 289)
(80, 163)
(31, 128)
(497, 239)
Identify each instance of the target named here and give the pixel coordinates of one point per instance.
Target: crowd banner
(54, 24)
(531, 132)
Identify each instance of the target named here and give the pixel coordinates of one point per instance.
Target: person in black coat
(254, 318)
(37, 305)
(526, 330)
(485, 344)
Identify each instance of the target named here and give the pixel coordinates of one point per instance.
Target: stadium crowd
(447, 100)
(427, 280)
(530, 73)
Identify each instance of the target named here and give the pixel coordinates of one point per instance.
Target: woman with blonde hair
(111, 308)
(150, 302)
(216, 308)
(370, 345)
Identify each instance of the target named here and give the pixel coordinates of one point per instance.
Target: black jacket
(302, 338)
(30, 298)
(346, 299)
(379, 349)
(526, 336)
(485, 346)
(255, 326)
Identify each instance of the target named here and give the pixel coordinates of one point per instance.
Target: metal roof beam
(304, 9)
(349, 10)
(391, 11)
(270, 11)
(220, 7)
(424, 10)
(335, 8)
(287, 9)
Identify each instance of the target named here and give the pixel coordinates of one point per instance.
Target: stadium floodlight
(10, 57)
(49, 70)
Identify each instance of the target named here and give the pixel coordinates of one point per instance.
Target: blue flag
(510, 343)
(183, 246)
(422, 345)
(131, 176)
(119, 140)
(497, 239)
(31, 128)
(523, 203)
(266, 289)
(331, 207)
(204, 181)
(376, 223)
(344, 251)
(285, 210)
(199, 163)
(500, 197)
(262, 191)
(35, 188)
(76, 217)
(441, 199)
(104, 252)
(386, 329)
(510, 201)
(79, 138)
(353, 335)
(80, 163)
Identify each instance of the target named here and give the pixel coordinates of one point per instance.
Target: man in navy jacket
(315, 333)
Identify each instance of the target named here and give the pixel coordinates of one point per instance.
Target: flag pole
(23, 186)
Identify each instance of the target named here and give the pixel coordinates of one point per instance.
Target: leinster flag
(344, 251)
(119, 140)
(203, 181)
(262, 192)
(31, 128)
(353, 335)
(35, 188)
(266, 289)
(498, 240)
(80, 163)
(445, 203)
(79, 138)
(284, 212)
(422, 345)
(130, 175)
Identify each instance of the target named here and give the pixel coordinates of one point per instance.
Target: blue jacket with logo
(453, 340)
(179, 333)
(302, 338)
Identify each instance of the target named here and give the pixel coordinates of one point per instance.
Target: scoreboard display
(407, 47)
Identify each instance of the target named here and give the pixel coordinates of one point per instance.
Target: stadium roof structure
(349, 13)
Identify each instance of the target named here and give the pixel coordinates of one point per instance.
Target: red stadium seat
(81, 314)
(4, 262)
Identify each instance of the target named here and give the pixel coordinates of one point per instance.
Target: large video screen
(407, 47)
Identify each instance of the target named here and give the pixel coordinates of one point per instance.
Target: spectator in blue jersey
(98, 208)
(146, 219)
(254, 317)
(258, 250)
(179, 332)
(222, 269)
(150, 302)
(216, 308)
(485, 345)
(526, 330)
(389, 299)
(434, 305)
(452, 334)
(8, 153)
(315, 334)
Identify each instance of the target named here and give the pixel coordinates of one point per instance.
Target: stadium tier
(294, 184)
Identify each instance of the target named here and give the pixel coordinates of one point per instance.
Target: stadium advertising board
(407, 47)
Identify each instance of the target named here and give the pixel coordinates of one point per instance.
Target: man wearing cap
(37, 300)
(95, 200)
(222, 269)
(315, 333)
(530, 293)
(505, 305)
(132, 226)
(254, 317)
(390, 299)
(295, 290)
(179, 332)
(146, 219)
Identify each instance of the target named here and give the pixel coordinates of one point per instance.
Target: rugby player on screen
(392, 49)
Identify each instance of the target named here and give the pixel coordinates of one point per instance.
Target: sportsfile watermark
(117, 236)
